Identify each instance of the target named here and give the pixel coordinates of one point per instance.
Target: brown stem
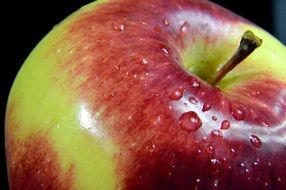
(248, 43)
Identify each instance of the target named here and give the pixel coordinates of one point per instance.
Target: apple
(153, 94)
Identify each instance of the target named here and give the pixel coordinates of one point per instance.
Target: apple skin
(114, 98)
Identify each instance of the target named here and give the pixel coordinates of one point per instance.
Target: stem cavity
(248, 43)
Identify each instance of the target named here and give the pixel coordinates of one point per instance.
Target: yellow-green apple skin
(114, 98)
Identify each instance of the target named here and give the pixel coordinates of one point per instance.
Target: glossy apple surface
(115, 97)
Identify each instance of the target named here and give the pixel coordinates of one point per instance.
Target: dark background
(29, 21)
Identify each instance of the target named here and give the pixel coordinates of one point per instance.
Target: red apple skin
(132, 70)
(156, 152)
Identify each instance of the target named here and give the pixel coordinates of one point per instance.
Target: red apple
(144, 95)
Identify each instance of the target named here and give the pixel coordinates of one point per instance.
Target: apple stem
(248, 43)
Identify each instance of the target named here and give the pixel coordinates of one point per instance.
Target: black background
(28, 22)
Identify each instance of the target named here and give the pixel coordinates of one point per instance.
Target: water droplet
(216, 184)
(242, 165)
(119, 27)
(185, 27)
(202, 93)
(194, 83)
(238, 112)
(190, 121)
(255, 93)
(225, 124)
(199, 151)
(198, 180)
(255, 141)
(193, 100)
(133, 144)
(279, 179)
(204, 139)
(165, 22)
(216, 164)
(144, 61)
(215, 161)
(157, 120)
(265, 124)
(210, 150)
(255, 163)
(150, 148)
(214, 118)
(216, 134)
(206, 107)
(232, 150)
(176, 95)
(165, 50)
(108, 95)
(118, 68)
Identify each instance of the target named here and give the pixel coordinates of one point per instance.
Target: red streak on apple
(33, 164)
(128, 54)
